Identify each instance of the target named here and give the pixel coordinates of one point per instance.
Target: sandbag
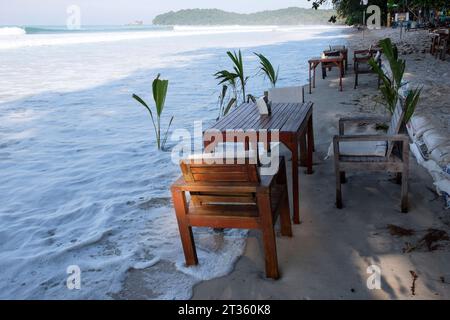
(419, 125)
(441, 155)
(434, 139)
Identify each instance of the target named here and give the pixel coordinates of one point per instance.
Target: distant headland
(288, 16)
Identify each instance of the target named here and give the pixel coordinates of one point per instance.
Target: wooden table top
(285, 117)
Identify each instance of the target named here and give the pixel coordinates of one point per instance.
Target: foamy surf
(11, 31)
(60, 36)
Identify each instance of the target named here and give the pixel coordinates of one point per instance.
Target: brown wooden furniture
(312, 65)
(293, 122)
(231, 196)
(439, 43)
(361, 63)
(333, 61)
(392, 160)
(343, 50)
(434, 42)
(441, 47)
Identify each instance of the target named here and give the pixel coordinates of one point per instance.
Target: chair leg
(285, 216)
(343, 178)
(187, 238)
(338, 189)
(398, 178)
(268, 235)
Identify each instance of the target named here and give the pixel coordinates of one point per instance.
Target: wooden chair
(294, 94)
(231, 196)
(434, 42)
(344, 52)
(361, 63)
(441, 48)
(373, 153)
(331, 55)
(286, 94)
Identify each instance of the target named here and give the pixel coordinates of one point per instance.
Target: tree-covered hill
(288, 16)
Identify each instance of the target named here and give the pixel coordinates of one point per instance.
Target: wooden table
(294, 123)
(337, 61)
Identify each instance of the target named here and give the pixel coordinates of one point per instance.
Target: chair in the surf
(231, 195)
(386, 153)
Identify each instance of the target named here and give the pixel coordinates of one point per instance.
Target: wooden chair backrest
(337, 47)
(286, 95)
(193, 171)
(396, 122)
(218, 174)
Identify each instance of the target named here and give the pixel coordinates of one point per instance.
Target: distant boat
(136, 23)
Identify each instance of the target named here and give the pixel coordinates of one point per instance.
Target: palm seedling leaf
(229, 105)
(411, 102)
(167, 133)
(141, 101)
(268, 69)
(159, 93)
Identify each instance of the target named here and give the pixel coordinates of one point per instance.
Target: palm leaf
(267, 68)
(225, 76)
(411, 102)
(229, 105)
(159, 93)
(141, 101)
(166, 134)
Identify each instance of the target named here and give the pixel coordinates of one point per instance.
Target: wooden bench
(235, 195)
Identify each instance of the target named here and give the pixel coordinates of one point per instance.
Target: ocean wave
(93, 29)
(11, 31)
(44, 37)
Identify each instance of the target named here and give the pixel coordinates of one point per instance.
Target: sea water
(81, 181)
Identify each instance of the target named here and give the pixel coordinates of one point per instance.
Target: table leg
(313, 144)
(314, 76)
(293, 147)
(340, 75)
(303, 150)
(310, 146)
(346, 60)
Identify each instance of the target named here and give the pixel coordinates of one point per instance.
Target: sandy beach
(331, 249)
(84, 184)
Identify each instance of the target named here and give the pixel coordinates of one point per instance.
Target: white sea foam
(34, 40)
(11, 31)
(81, 180)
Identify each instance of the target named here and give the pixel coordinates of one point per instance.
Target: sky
(53, 12)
